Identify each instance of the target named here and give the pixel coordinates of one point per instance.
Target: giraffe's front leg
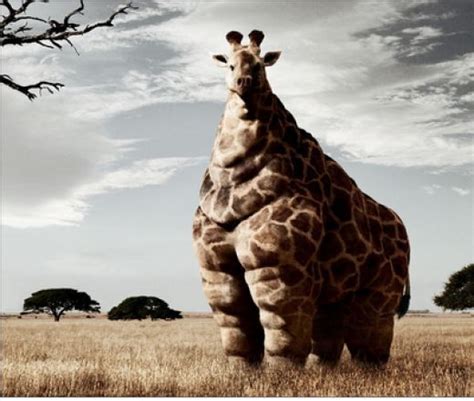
(236, 315)
(277, 247)
(227, 293)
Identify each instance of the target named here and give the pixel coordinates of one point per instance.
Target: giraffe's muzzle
(244, 84)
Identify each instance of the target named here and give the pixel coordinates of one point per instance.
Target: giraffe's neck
(250, 162)
(243, 126)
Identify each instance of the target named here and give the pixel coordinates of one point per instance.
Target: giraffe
(294, 258)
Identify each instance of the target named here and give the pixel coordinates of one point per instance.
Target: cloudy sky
(100, 182)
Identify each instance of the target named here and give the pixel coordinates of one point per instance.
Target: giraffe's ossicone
(294, 257)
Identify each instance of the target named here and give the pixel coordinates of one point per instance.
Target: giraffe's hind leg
(368, 333)
(328, 333)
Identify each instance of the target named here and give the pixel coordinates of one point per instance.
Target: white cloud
(431, 17)
(137, 89)
(434, 188)
(461, 191)
(72, 208)
(53, 163)
(431, 189)
(422, 33)
(139, 174)
(141, 14)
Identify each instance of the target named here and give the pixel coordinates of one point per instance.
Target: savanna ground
(432, 356)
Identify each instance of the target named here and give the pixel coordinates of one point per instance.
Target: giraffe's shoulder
(339, 177)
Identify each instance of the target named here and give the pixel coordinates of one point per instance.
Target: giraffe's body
(294, 256)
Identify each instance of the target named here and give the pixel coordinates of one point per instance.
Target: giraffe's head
(245, 66)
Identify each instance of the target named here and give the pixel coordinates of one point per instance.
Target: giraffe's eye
(256, 67)
(231, 67)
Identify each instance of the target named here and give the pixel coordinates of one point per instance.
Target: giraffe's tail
(405, 300)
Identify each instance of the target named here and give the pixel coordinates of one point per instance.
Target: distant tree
(143, 307)
(57, 301)
(458, 292)
(15, 30)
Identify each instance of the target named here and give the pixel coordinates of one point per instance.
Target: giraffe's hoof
(315, 360)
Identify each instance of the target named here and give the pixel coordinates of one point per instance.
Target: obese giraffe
(294, 257)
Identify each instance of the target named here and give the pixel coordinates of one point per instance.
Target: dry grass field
(432, 356)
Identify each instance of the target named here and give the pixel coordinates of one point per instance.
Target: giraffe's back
(365, 245)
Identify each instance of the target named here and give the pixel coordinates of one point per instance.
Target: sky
(100, 181)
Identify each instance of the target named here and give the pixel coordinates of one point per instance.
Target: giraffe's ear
(220, 60)
(271, 58)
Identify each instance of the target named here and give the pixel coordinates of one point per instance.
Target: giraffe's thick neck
(243, 126)
(251, 160)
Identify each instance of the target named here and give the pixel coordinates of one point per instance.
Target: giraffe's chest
(237, 139)
(229, 202)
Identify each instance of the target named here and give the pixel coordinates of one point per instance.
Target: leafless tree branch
(27, 90)
(51, 37)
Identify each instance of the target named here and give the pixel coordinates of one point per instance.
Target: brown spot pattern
(330, 247)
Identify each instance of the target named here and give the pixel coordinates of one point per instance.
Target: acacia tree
(143, 307)
(57, 301)
(458, 293)
(16, 30)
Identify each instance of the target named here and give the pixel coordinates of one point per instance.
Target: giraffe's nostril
(244, 82)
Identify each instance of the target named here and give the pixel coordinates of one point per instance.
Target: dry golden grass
(432, 356)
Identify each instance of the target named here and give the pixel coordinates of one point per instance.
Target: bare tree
(15, 30)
